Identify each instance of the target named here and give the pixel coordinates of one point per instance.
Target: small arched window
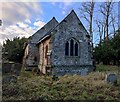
(67, 49)
(72, 48)
(46, 50)
(35, 59)
(76, 49)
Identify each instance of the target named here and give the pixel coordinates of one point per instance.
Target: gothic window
(72, 48)
(67, 49)
(35, 59)
(76, 49)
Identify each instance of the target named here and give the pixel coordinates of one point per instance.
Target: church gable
(71, 26)
(70, 44)
(72, 22)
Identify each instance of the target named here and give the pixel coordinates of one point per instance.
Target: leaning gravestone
(111, 78)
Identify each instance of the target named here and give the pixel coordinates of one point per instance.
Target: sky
(23, 19)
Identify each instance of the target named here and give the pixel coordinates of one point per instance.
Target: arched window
(76, 49)
(72, 48)
(67, 49)
(46, 50)
(35, 59)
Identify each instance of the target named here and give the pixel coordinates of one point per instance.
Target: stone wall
(43, 62)
(69, 28)
(80, 70)
(31, 56)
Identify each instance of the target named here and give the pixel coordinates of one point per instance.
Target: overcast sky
(25, 18)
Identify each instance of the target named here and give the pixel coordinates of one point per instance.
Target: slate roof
(43, 31)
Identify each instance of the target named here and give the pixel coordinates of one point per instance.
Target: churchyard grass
(30, 86)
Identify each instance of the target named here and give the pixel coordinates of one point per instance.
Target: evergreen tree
(13, 49)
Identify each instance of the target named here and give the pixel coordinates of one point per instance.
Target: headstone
(16, 69)
(9, 79)
(111, 78)
(84, 72)
(6, 67)
(13, 79)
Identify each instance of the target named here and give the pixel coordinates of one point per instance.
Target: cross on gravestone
(111, 78)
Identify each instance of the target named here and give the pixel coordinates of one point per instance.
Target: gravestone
(84, 72)
(111, 78)
(6, 67)
(16, 69)
(9, 79)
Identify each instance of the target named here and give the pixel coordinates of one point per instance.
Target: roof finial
(72, 10)
(53, 17)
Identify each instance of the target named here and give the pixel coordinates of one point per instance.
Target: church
(60, 48)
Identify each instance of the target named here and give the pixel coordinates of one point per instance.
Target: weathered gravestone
(84, 72)
(9, 79)
(16, 69)
(111, 78)
(6, 67)
(12, 68)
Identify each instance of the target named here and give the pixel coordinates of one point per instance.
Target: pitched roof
(72, 13)
(43, 31)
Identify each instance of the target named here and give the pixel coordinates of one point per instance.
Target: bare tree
(106, 10)
(113, 22)
(86, 11)
(101, 28)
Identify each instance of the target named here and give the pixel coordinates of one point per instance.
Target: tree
(116, 47)
(109, 52)
(101, 29)
(114, 22)
(13, 49)
(103, 53)
(87, 10)
(106, 10)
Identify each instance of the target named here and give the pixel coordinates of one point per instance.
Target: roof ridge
(67, 16)
(44, 26)
(72, 11)
(59, 23)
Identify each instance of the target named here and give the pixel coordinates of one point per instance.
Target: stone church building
(60, 48)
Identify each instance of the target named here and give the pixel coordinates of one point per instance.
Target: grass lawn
(104, 68)
(67, 87)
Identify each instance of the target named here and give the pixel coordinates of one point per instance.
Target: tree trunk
(106, 30)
